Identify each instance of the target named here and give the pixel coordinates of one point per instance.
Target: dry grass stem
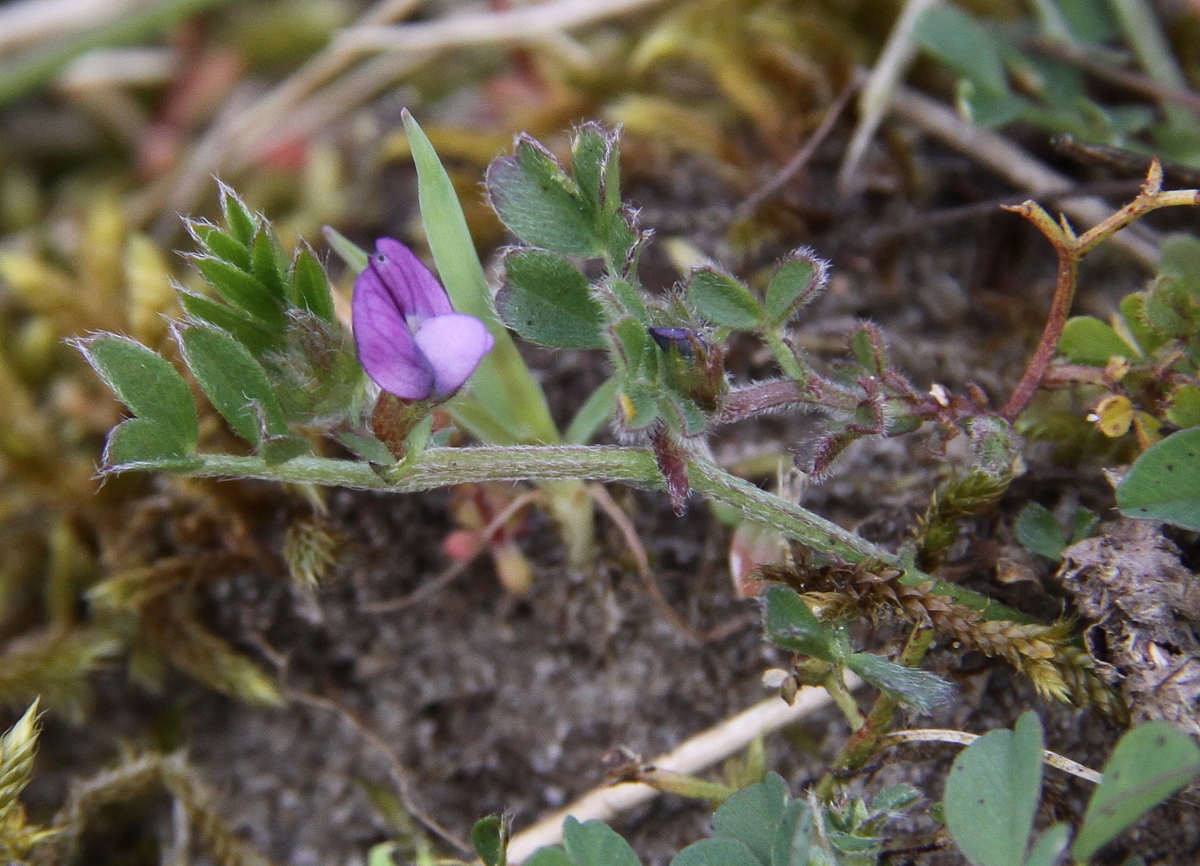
(694, 756)
(34, 20)
(1014, 164)
(961, 738)
(335, 82)
(881, 83)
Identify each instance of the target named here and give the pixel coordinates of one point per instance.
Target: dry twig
(1014, 164)
(695, 755)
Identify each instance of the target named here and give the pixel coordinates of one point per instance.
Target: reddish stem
(1060, 308)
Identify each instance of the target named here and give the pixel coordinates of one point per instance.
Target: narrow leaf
(265, 264)
(917, 689)
(367, 447)
(723, 300)
(242, 224)
(502, 384)
(590, 152)
(248, 331)
(280, 449)
(312, 286)
(791, 624)
(221, 245)
(593, 414)
(242, 290)
(234, 382)
(142, 441)
(354, 256)
(540, 203)
(489, 838)
(796, 282)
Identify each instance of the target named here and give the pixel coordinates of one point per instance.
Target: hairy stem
(1060, 309)
(785, 356)
(441, 467)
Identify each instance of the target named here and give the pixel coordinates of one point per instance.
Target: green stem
(844, 700)
(441, 467)
(823, 535)
(863, 742)
(785, 356)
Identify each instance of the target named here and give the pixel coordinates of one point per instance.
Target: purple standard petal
(454, 345)
(413, 286)
(410, 341)
(386, 348)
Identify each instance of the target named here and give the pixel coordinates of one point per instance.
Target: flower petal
(386, 348)
(415, 289)
(454, 345)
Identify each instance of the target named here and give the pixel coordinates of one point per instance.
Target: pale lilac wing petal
(415, 288)
(386, 348)
(454, 346)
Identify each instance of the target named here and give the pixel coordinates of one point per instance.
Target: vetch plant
(277, 365)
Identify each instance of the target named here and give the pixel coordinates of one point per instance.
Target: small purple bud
(410, 341)
(680, 338)
(695, 367)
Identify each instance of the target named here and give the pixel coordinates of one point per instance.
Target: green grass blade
(502, 385)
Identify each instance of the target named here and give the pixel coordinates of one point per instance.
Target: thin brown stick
(797, 162)
(925, 221)
(446, 577)
(1129, 162)
(625, 526)
(1014, 164)
(1126, 78)
(399, 773)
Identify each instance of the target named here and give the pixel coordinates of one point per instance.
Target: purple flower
(410, 340)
